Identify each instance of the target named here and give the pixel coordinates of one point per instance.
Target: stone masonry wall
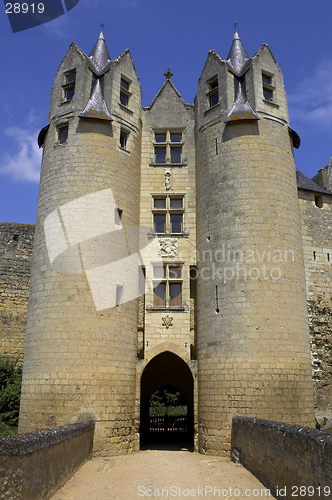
(316, 224)
(291, 461)
(15, 260)
(35, 465)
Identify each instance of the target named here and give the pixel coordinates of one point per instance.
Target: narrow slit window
(117, 216)
(119, 290)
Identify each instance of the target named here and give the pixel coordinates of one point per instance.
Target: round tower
(81, 341)
(252, 331)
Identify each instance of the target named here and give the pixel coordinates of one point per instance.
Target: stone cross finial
(168, 74)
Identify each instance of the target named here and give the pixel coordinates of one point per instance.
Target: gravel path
(161, 474)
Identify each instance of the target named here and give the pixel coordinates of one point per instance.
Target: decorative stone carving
(168, 247)
(168, 174)
(167, 321)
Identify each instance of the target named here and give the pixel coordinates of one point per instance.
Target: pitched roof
(303, 182)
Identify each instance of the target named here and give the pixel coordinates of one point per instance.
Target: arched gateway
(167, 370)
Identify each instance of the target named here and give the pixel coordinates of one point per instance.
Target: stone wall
(316, 225)
(284, 457)
(35, 465)
(15, 259)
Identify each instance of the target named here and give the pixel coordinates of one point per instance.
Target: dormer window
(69, 86)
(268, 87)
(125, 93)
(213, 93)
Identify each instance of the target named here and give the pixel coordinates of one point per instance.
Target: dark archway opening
(167, 379)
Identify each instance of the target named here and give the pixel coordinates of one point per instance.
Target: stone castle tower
(125, 298)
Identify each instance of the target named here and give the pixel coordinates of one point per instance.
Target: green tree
(10, 394)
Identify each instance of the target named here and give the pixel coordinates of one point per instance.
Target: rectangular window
(159, 223)
(268, 87)
(160, 155)
(124, 99)
(168, 214)
(176, 137)
(168, 291)
(125, 93)
(159, 295)
(159, 203)
(160, 137)
(124, 84)
(176, 155)
(175, 295)
(176, 224)
(213, 92)
(63, 134)
(176, 203)
(171, 152)
(69, 86)
(123, 139)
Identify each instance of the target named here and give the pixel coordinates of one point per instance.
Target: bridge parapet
(291, 461)
(34, 465)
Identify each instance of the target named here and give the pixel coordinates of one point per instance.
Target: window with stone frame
(168, 146)
(268, 87)
(62, 131)
(69, 86)
(125, 93)
(124, 136)
(168, 214)
(213, 91)
(167, 286)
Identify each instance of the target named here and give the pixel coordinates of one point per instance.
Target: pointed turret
(238, 60)
(99, 60)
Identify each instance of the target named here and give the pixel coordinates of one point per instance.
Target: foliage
(167, 401)
(10, 394)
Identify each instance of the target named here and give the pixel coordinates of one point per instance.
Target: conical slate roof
(96, 107)
(99, 60)
(238, 59)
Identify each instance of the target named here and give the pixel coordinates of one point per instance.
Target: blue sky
(176, 34)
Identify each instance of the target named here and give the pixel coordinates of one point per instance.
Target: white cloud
(312, 99)
(24, 163)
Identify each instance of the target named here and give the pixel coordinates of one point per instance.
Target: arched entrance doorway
(167, 370)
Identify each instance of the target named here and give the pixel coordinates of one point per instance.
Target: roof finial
(102, 26)
(235, 24)
(168, 74)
